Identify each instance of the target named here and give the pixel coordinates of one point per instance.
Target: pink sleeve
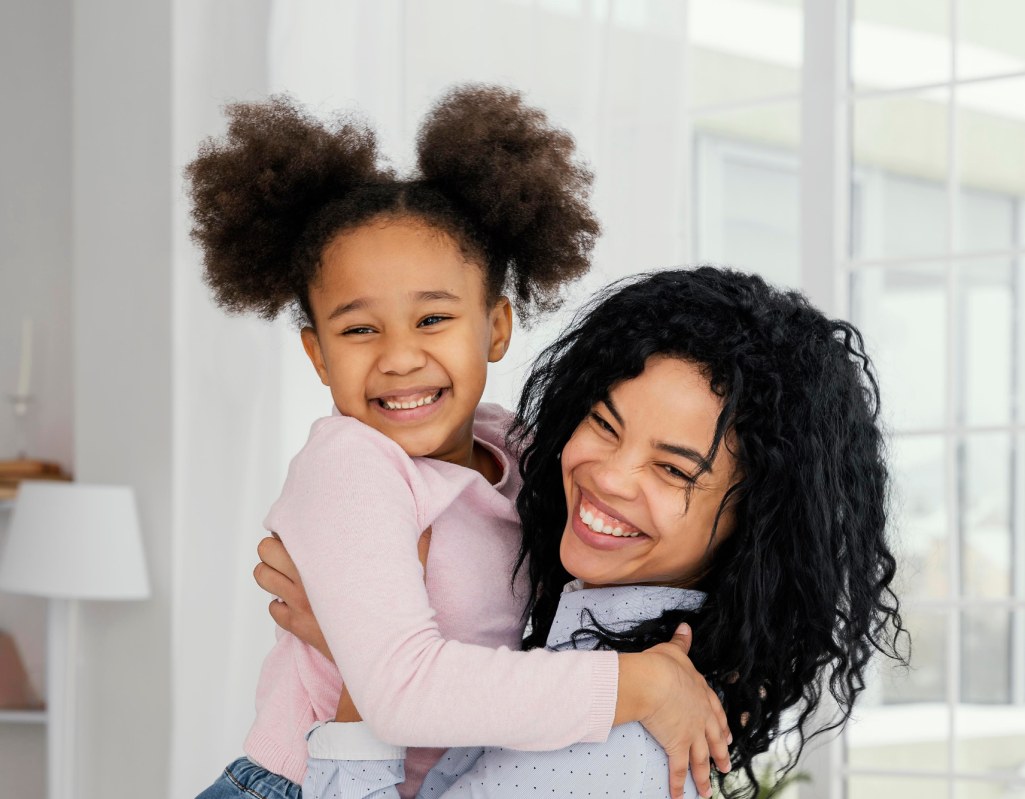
(350, 518)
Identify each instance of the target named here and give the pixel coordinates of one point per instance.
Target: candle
(25, 372)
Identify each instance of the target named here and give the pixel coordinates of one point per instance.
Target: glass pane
(903, 313)
(986, 320)
(747, 191)
(919, 517)
(986, 544)
(902, 787)
(899, 44)
(985, 672)
(733, 63)
(902, 720)
(899, 176)
(1009, 788)
(991, 126)
(990, 40)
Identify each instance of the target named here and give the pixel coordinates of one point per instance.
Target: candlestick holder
(21, 405)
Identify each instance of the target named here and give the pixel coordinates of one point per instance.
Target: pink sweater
(432, 666)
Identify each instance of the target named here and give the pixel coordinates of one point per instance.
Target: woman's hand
(276, 574)
(678, 708)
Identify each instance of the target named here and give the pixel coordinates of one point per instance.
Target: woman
(728, 432)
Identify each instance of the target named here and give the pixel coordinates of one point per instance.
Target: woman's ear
(312, 346)
(501, 329)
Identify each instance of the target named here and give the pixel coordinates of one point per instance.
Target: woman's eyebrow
(608, 403)
(685, 452)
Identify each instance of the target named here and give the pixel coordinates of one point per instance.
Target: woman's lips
(602, 541)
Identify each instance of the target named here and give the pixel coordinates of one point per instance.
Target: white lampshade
(74, 541)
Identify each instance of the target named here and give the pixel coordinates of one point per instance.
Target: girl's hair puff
(255, 192)
(800, 588)
(492, 173)
(514, 177)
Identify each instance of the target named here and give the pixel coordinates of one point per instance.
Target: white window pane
(918, 520)
(903, 313)
(991, 165)
(899, 169)
(731, 62)
(902, 721)
(986, 543)
(896, 787)
(898, 43)
(986, 324)
(1012, 786)
(747, 192)
(990, 40)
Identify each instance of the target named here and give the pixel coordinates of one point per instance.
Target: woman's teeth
(405, 406)
(599, 526)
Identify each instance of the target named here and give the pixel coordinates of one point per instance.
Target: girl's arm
(350, 516)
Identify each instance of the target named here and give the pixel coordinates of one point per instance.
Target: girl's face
(637, 511)
(403, 334)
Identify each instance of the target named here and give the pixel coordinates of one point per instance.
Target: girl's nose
(400, 356)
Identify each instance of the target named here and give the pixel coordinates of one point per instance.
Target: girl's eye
(596, 418)
(433, 319)
(675, 473)
(360, 330)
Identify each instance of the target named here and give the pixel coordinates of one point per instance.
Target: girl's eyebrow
(363, 303)
(684, 452)
(436, 295)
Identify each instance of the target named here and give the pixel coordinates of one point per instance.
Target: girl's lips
(410, 415)
(599, 540)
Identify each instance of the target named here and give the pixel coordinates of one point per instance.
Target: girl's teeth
(405, 406)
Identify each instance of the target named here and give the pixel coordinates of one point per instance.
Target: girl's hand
(680, 711)
(276, 574)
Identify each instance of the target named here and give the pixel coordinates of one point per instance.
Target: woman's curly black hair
(798, 593)
(493, 173)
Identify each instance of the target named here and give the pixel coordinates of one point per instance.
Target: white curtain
(609, 72)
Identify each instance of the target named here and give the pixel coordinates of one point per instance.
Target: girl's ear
(312, 346)
(501, 329)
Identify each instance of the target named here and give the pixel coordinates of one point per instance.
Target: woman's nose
(401, 355)
(615, 477)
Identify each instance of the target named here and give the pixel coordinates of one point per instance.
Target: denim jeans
(245, 779)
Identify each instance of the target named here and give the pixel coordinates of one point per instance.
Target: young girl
(398, 285)
(731, 429)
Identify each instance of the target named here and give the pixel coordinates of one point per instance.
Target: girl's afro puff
(254, 193)
(514, 177)
(493, 174)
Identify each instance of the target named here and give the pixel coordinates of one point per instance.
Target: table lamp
(65, 542)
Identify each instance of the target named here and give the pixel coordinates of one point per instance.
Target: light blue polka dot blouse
(629, 764)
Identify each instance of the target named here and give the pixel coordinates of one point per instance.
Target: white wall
(35, 281)
(122, 194)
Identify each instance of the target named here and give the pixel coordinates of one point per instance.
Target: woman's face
(638, 509)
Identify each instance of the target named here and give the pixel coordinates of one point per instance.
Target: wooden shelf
(22, 717)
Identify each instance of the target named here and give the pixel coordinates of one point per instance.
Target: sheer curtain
(609, 72)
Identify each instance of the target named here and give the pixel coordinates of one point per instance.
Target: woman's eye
(675, 473)
(433, 319)
(596, 418)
